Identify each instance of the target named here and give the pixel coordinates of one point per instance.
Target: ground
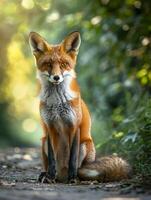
(19, 169)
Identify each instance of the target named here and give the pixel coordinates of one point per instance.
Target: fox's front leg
(73, 160)
(49, 163)
(49, 173)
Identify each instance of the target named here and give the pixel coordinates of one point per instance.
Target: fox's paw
(44, 177)
(72, 181)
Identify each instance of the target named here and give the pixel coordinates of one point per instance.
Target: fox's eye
(49, 64)
(63, 65)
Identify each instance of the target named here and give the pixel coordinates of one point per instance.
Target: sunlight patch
(29, 125)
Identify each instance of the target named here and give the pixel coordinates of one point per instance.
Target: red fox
(68, 150)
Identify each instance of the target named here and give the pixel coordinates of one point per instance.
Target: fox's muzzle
(55, 79)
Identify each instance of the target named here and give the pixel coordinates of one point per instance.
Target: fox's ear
(72, 42)
(37, 43)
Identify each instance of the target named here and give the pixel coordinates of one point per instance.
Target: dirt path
(19, 169)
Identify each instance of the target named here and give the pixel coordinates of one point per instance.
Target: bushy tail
(105, 169)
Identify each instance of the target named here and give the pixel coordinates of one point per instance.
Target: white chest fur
(57, 110)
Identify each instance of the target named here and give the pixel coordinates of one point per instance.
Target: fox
(68, 151)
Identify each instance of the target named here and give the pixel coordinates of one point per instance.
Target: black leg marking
(49, 177)
(72, 173)
(41, 177)
(51, 161)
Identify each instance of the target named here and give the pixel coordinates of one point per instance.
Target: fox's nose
(56, 78)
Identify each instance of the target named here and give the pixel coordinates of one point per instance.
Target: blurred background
(114, 70)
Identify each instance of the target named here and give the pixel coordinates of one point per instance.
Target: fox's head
(55, 62)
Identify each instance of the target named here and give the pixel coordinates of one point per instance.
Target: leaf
(131, 137)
